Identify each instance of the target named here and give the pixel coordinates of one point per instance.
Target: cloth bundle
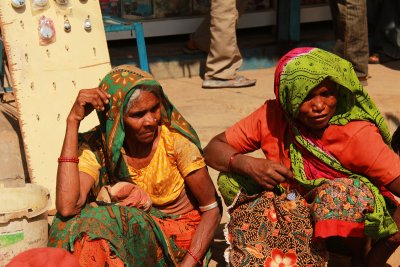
(124, 194)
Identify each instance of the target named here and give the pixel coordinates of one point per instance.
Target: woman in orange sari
(328, 174)
(135, 190)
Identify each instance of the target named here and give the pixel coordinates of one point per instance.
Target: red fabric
(357, 145)
(328, 228)
(182, 229)
(314, 167)
(95, 253)
(44, 257)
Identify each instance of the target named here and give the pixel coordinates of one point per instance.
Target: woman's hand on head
(267, 173)
(86, 101)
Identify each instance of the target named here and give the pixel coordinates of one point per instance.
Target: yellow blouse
(163, 178)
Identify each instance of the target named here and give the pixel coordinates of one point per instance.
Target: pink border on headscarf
(281, 64)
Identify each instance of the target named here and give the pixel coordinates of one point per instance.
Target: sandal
(237, 82)
(374, 59)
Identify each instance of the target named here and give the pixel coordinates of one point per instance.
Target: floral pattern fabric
(270, 230)
(339, 207)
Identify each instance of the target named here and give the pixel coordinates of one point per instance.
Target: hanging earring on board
(67, 24)
(18, 3)
(88, 24)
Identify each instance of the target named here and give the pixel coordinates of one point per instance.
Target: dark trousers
(351, 32)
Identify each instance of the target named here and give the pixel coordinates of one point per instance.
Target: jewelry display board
(54, 48)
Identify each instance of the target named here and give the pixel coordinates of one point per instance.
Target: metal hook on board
(54, 85)
(48, 52)
(26, 57)
(32, 86)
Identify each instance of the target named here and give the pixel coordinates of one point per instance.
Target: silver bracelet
(209, 207)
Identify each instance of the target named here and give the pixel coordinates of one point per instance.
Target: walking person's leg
(351, 33)
(224, 58)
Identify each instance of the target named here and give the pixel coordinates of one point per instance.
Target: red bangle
(194, 257)
(231, 159)
(66, 159)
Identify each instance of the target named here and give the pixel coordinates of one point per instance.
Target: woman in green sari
(328, 175)
(135, 190)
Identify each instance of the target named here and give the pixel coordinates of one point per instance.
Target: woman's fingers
(94, 97)
(285, 172)
(270, 174)
(268, 183)
(273, 178)
(87, 100)
(269, 179)
(103, 96)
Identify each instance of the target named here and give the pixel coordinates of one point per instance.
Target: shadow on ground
(218, 246)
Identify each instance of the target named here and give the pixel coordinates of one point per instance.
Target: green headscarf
(300, 70)
(107, 139)
(297, 73)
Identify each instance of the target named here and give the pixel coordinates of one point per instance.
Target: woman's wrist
(197, 259)
(239, 163)
(72, 121)
(231, 159)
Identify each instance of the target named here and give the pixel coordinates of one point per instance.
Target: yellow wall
(46, 79)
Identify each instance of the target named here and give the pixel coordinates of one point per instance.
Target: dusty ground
(212, 111)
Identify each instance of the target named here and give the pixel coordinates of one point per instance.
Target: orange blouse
(357, 145)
